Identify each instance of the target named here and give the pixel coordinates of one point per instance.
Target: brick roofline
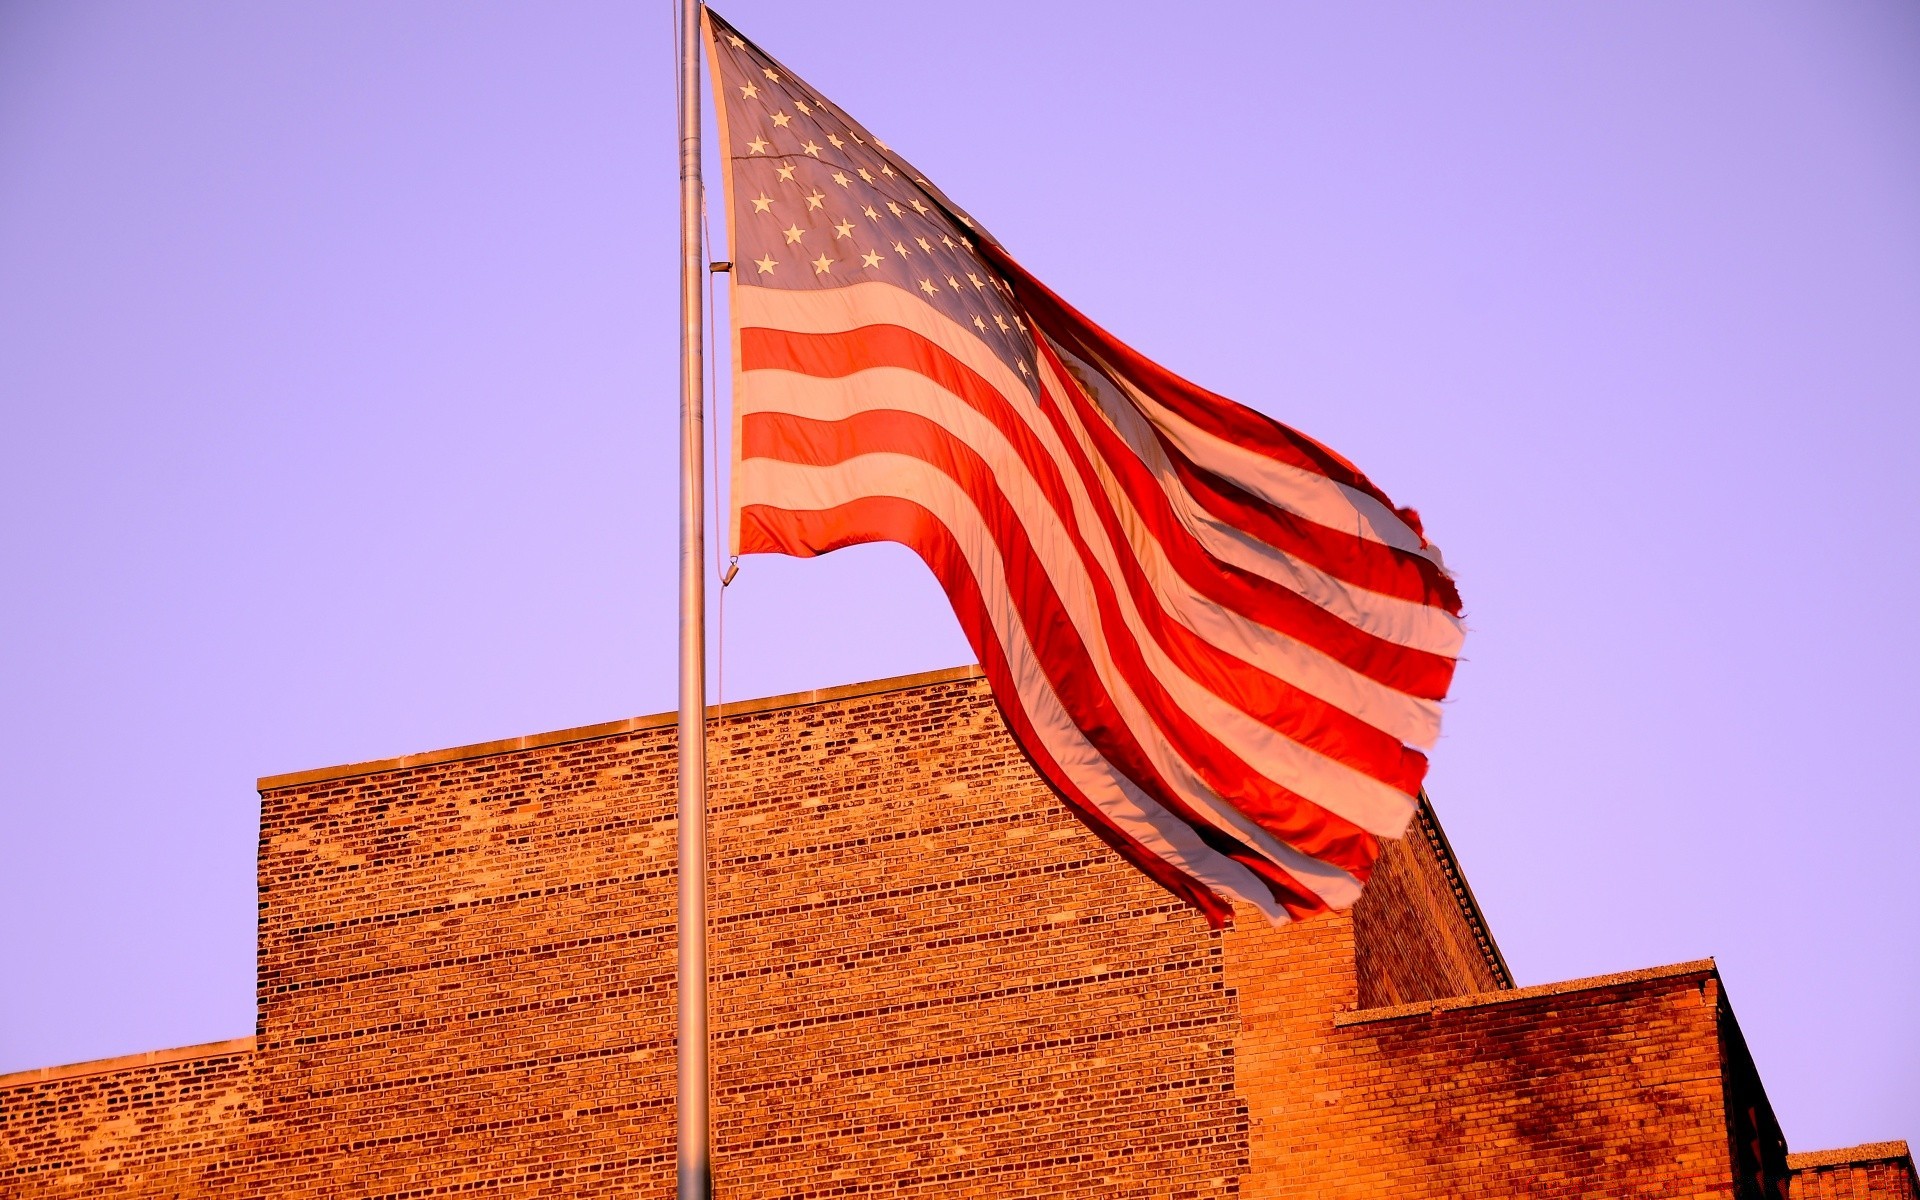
(1703, 968)
(1869, 1152)
(1463, 893)
(587, 733)
(128, 1062)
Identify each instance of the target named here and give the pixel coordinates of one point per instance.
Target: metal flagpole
(691, 1129)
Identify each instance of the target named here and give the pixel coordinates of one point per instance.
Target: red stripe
(766, 530)
(1416, 672)
(1296, 714)
(1292, 818)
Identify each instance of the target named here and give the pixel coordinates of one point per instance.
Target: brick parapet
(1697, 971)
(1463, 897)
(167, 1123)
(606, 729)
(1874, 1171)
(127, 1062)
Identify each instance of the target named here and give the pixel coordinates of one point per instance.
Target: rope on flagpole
(721, 545)
(725, 574)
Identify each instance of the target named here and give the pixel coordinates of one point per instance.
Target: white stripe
(796, 487)
(1369, 803)
(1411, 719)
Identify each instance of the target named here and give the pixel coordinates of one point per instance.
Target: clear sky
(337, 362)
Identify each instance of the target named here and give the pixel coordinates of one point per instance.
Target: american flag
(1214, 636)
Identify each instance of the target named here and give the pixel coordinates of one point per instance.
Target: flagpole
(691, 1116)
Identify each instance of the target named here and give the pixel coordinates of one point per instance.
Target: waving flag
(1213, 635)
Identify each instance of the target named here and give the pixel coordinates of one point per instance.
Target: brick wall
(159, 1124)
(930, 981)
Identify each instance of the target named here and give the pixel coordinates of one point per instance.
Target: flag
(1218, 641)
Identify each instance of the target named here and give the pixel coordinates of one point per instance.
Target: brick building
(930, 981)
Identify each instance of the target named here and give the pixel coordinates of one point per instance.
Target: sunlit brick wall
(1609, 1087)
(930, 978)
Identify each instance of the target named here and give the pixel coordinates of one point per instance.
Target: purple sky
(337, 361)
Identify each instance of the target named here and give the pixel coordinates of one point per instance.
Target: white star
(794, 233)
(862, 172)
(842, 230)
(1019, 322)
(769, 73)
(967, 223)
(855, 136)
(835, 142)
(885, 169)
(763, 204)
(757, 146)
(802, 106)
(901, 250)
(1022, 366)
(974, 280)
(814, 201)
(927, 286)
(822, 265)
(840, 179)
(946, 241)
(979, 324)
(918, 207)
(812, 149)
(870, 259)
(766, 265)
(871, 215)
(953, 283)
(966, 243)
(881, 144)
(925, 245)
(1001, 322)
(895, 209)
(737, 43)
(786, 171)
(781, 119)
(749, 92)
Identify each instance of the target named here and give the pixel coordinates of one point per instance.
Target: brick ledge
(1422, 1008)
(587, 733)
(149, 1058)
(1850, 1155)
